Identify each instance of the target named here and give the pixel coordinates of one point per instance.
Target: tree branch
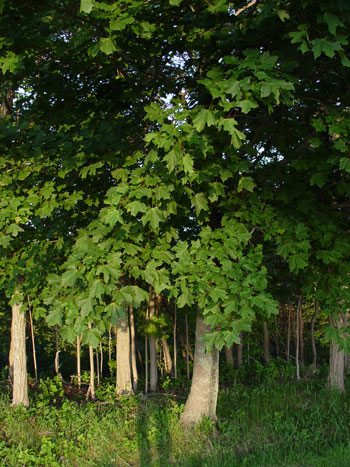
(238, 12)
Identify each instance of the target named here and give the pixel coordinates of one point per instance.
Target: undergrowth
(265, 418)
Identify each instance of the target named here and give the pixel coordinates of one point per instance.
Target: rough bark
(19, 357)
(167, 356)
(336, 358)
(205, 381)
(133, 349)
(152, 341)
(266, 344)
(123, 384)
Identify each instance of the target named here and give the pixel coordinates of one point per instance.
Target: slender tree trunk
(153, 347)
(175, 342)
(146, 365)
(97, 368)
(313, 344)
(229, 355)
(19, 357)
(167, 356)
(91, 390)
(110, 343)
(205, 381)
(123, 384)
(298, 341)
(288, 335)
(33, 340)
(187, 350)
(57, 356)
(239, 352)
(266, 344)
(336, 358)
(276, 337)
(79, 361)
(133, 349)
(101, 360)
(301, 335)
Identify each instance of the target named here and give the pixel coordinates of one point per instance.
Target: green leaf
(320, 46)
(204, 117)
(113, 216)
(200, 203)
(246, 105)
(175, 2)
(188, 164)
(332, 22)
(86, 307)
(91, 337)
(14, 229)
(107, 45)
(154, 216)
(68, 334)
(97, 289)
(86, 6)
(283, 15)
(246, 183)
(54, 318)
(185, 299)
(70, 277)
(344, 164)
(121, 23)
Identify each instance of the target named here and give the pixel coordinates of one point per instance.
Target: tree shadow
(154, 433)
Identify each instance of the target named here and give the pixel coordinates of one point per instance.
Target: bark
(229, 355)
(146, 365)
(79, 361)
(97, 368)
(266, 344)
(19, 357)
(91, 390)
(123, 385)
(239, 352)
(301, 335)
(205, 381)
(313, 344)
(133, 349)
(153, 348)
(33, 341)
(57, 356)
(167, 356)
(336, 358)
(101, 360)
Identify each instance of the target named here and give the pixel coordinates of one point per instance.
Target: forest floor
(267, 419)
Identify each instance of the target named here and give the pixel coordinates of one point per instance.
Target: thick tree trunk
(19, 357)
(205, 381)
(153, 348)
(239, 352)
(313, 344)
(123, 357)
(266, 344)
(133, 349)
(336, 358)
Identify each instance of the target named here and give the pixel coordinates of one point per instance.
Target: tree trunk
(205, 381)
(146, 365)
(301, 335)
(79, 361)
(266, 344)
(288, 335)
(33, 341)
(174, 342)
(153, 347)
(229, 356)
(123, 357)
(336, 358)
(239, 352)
(18, 359)
(313, 344)
(91, 390)
(133, 349)
(167, 356)
(97, 368)
(57, 356)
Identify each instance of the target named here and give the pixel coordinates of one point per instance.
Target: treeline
(165, 164)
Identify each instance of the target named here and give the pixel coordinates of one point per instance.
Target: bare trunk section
(167, 356)
(336, 358)
(133, 349)
(33, 341)
(123, 385)
(91, 390)
(153, 347)
(266, 344)
(239, 352)
(79, 361)
(18, 359)
(313, 344)
(205, 381)
(174, 342)
(229, 356)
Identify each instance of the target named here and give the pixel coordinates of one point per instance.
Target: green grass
(269, 421)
